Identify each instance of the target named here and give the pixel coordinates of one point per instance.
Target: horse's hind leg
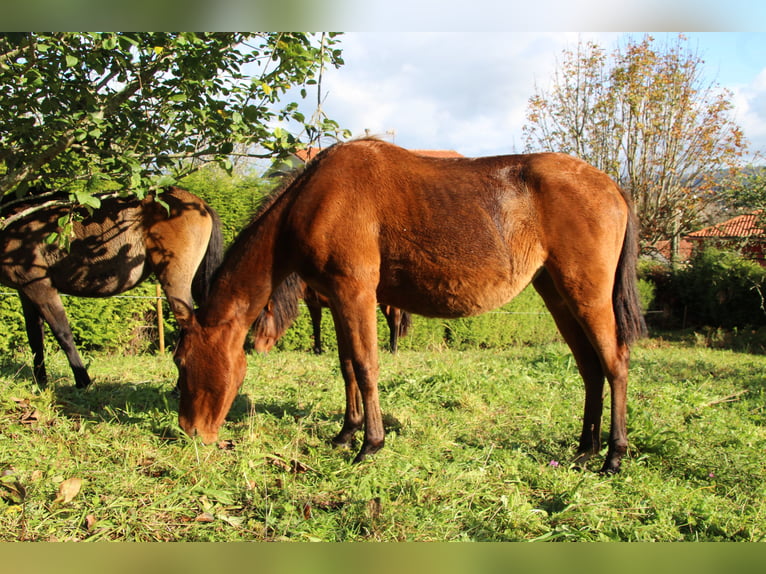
(586, 320)
(315, 312)
(393, 317)
(46, 302)
(588, 363)
(35, 327)
(176, 248)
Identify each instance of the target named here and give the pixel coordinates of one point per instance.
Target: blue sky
(468, 91)
(737, 57)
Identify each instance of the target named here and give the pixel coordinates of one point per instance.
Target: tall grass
(478, 444)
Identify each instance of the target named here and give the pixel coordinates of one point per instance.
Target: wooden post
(160, 322)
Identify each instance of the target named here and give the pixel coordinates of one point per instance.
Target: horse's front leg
(353, 418)
(35, 328)
(356, 328)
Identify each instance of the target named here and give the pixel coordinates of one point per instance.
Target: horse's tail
(627, 306)
(281, 310)
(404, 326)
(212, 259)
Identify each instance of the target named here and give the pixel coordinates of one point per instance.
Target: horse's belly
(96, 274)
(448, 295)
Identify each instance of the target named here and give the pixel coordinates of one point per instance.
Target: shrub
(124, 324)
(716, 289)
(12, 332)
(722, 289)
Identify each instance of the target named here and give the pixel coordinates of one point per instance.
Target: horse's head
(211, 367)
(265, 331)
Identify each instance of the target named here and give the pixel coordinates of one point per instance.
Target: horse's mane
(283, 304)
(290, 179)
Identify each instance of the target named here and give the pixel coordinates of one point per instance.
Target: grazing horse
(369, 222)
(271, 325)
(113, 249)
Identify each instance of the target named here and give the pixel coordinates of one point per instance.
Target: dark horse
(369, 222)
(113, 249)
(271, 324)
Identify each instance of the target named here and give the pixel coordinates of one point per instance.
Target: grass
(478, 443)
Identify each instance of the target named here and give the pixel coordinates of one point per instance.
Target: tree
(136, 111)
(748, 192)
(645, 116)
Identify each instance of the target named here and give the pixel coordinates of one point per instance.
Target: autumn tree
(646, 116)
(135, 111)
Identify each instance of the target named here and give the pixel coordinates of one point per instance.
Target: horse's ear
(183, 312)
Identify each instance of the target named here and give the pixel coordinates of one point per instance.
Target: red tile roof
(310, 153)
(740, 226)
(437, 152)
(306, 154)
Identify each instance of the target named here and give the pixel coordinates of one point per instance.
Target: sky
(468, 91)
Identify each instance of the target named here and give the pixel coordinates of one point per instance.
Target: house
(744, 232)
(303, 156)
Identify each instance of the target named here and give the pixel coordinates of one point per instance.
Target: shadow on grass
(152, 404)
(121, 401)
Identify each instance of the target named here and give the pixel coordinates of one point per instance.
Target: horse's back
(450, 237)
(432, 235)
(106, 255)
(109, 249)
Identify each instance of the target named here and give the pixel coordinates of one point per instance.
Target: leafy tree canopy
(136, 111)
(646, 116)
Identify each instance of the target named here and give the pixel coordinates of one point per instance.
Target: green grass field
(478, 444)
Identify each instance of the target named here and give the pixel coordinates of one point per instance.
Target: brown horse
(370, 222)
(271, 325)
(113, 249)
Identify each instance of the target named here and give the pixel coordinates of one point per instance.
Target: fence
(108, 316)
(523, 321)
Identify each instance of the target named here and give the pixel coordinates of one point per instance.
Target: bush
(716, 289)
(12, 333)
(523, 321)
(114, 324)
(235, 197)
(722, 289)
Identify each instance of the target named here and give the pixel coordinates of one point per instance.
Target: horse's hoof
(368, 450)
(342, 442)
(580, 460)
(359, 458)
(610, 469)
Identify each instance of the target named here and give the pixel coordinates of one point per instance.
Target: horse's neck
(244, 281)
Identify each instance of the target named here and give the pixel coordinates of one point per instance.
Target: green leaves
(143, 109)
(86, 199)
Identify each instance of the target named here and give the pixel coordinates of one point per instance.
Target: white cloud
(452, 90)
(469, 91)
(750, 113)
